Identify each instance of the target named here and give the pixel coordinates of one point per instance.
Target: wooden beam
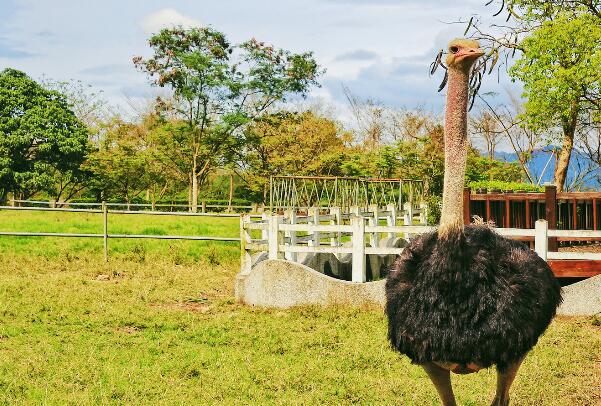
(578, 195)
(551, 213)
(574, 215)
(527, 213)
(466, 205)
(595, 214)
(488, 210)
(507, 214)
(575, 268)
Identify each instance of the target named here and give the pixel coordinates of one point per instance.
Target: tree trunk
(563, 157)
(229, 206)
(189, 192)
(265, 194)
(194, 206)
(563, 161)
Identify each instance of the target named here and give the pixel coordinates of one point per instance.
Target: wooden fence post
(540, 238)
(467, 194)
(105, 226)
(551, 214)
(358, 244)
(203, 206)
(273, 240)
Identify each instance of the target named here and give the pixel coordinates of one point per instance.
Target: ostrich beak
(469, 53)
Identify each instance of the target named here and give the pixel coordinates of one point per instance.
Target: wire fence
(105, 235)
(203, 207)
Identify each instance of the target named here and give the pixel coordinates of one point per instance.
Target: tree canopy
(42, 143)
(558, 51)
(218, 88)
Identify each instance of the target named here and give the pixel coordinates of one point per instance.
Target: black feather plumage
(474, 297)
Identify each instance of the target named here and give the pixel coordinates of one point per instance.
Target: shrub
(498, 184)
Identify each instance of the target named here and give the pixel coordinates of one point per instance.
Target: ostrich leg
(504, 381)
(441, 378)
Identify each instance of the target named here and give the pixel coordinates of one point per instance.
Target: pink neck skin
(455, 151)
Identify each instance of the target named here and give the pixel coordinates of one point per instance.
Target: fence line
(280, 240)
(202, 206)
(106, 235)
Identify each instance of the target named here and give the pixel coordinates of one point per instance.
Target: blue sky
(380, 49)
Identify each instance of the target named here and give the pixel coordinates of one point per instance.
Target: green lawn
(155, 329)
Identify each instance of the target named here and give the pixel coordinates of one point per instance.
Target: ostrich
(464, 298)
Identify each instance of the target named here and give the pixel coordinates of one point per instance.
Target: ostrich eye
(454, 49)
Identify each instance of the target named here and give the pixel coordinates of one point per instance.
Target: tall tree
(42, 143)
(561, 72)
(558, 62)
(288, 143)
(128, 162)
(218, 87)
(486, 126)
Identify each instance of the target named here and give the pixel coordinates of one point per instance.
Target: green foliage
(560, 69)
(434, 203)
(502, 185)
(218, 89)
(532, 12)
(486, 169)
(288, 143)
(42, 143)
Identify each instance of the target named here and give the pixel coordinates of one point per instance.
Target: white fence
(286, 236)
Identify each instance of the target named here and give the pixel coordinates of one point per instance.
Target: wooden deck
(575, 268)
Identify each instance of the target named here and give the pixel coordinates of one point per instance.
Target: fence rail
(203, 206)
(105, 235)
(280, 239)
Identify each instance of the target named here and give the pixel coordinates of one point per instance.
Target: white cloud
(165, 18)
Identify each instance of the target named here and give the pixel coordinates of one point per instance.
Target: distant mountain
(578, 163)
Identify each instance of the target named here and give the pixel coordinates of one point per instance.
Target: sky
(379, 49)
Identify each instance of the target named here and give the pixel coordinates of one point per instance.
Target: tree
(42, 143)
(558, 63)
(486, 126)
(561, 72)
(134, 158)
(523, 140)
(287, 143)
(218, 88)
(88, 105)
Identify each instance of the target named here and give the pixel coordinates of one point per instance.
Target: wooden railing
(281, 240)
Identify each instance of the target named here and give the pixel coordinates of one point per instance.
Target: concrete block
(582, 298)
(281, 283)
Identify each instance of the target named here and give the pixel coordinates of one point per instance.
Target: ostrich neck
(455, 152)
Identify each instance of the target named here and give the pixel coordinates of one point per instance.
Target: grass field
(134, 249)
(160, 328)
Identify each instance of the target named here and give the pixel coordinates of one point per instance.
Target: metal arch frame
(286, 192)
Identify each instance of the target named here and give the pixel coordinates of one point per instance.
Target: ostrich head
(462, 55)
